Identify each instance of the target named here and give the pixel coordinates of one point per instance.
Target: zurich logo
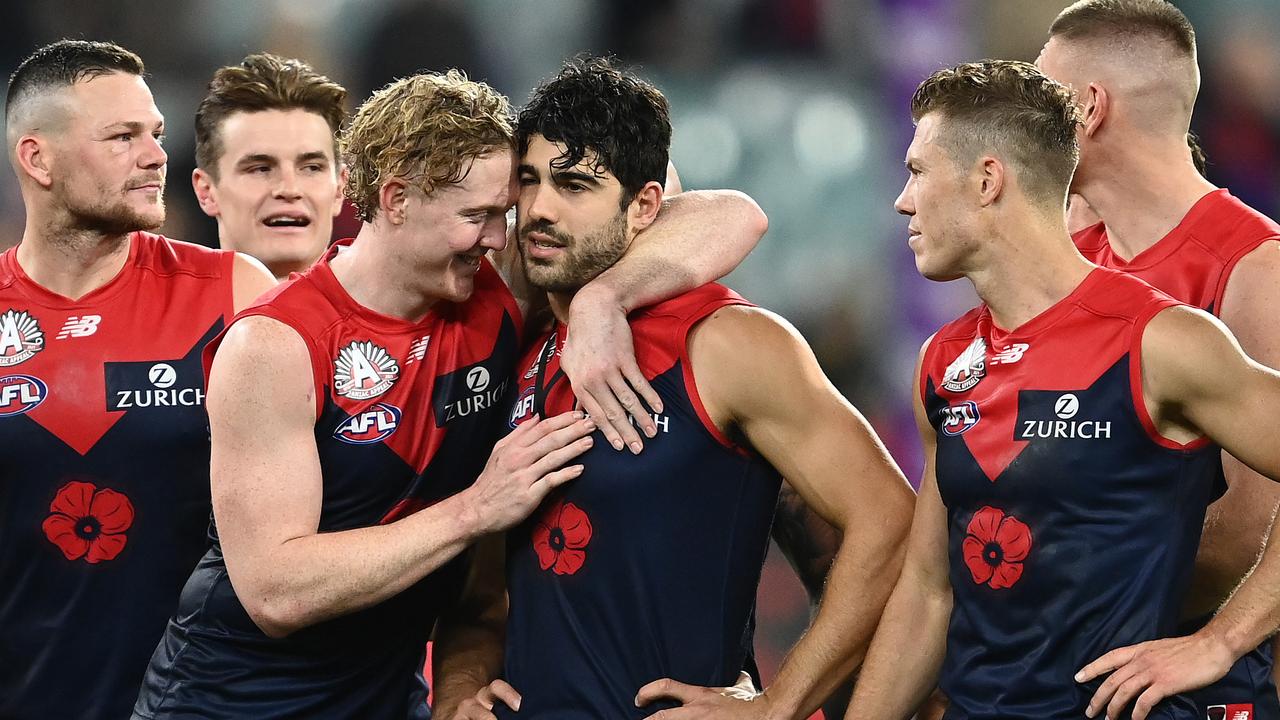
(374, 425)
(20, 394)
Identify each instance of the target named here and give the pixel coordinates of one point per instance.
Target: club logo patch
(371, 426)
(364, 370)
(20, 394)
(957, 419)
(20, 337)
(966, 370)
(1235, 711)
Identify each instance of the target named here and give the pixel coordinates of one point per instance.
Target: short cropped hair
(1010, 108)
(263, 81)
(1126, 19)
(427, 129)
(593, 106)
(65, 63)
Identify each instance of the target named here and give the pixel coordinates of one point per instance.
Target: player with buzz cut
(104, 495)
(1071, 424)
(353, 413)
(632, 588)
(267, 164)
(1133, 64)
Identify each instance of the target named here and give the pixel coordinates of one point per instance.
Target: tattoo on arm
(808, 542)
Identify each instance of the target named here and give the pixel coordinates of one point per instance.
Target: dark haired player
(267, 159)
(1133, 63)
(104, 502)
(1068, 422)
(380, 374)
(646, 567)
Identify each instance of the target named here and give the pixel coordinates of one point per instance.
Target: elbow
(755, 222)
(276, 616)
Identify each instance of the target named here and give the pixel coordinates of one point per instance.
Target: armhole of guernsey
(229, 282)
(1135, 380)
(686, 366)
(926, 362)
(1224, 275)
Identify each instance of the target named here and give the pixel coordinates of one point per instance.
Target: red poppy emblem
(88, 523)
(995, 548)
(560, 538)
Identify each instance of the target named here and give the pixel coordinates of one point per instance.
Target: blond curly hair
(425, 129)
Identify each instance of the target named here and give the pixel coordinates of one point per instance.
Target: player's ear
(991, 179)
(644, 207)
(343, 175)
(1095, 103)
(393, 196)
(206, 194)
(32, 155)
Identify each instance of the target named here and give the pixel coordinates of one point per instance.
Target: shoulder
(167, 256)
(250, 279)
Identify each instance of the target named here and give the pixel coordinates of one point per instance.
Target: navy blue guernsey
(1072, 523)
(104, 473)
(406, 416)
(645, 566)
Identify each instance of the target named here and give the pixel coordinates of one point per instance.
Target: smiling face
(934, 200)
(450, 229)
(570, 224)
(278, 187)
(108, 168)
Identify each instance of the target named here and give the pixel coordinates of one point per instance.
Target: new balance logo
(1010, 354)
(79, 326)
(418, 350)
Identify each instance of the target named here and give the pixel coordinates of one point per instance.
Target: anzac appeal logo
(965, 371)
(363, 370)
(20, 337)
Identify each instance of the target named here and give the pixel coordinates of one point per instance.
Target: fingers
(1106, 663)
(1146, 702)
(473, 709)
(667, 689)
(631, 403)
(1106, 695)
(564, 437)
(596, 410)
(1125, 692)
(551, 481)
(557, 458)
(542, 428)
(613, 417)
(500, 690)
(636, 380)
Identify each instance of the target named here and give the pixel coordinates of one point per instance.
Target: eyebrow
(132, 126)
(563, 176)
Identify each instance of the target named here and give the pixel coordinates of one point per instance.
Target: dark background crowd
(801, 103)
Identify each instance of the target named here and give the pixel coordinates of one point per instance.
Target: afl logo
(966, 370)
(363, 370)
(1067, 406)
(957, 419)
(20, 394)
(477, 379)
(20, 337)
(523, 409)
(371, 426)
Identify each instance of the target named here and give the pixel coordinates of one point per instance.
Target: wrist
(776, 708)
(1224, 644)
(599, 294)
(468, 519)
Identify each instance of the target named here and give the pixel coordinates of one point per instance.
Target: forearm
(906, 655)
(1252, 614)
(699, 236)
(467, 657)
(860, 581)
(327, 575)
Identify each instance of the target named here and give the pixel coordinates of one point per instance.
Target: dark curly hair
(1012, 108)
(592, 106)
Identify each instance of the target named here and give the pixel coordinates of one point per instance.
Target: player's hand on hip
(1146, 673)
(480, 707)
(526, 465)
(739, 702)
(599, 359)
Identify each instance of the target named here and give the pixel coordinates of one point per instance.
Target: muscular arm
(906, 655)
(1198, 381)
(267, 491)
(778, 398)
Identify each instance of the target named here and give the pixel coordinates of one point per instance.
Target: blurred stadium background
(801, 103)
